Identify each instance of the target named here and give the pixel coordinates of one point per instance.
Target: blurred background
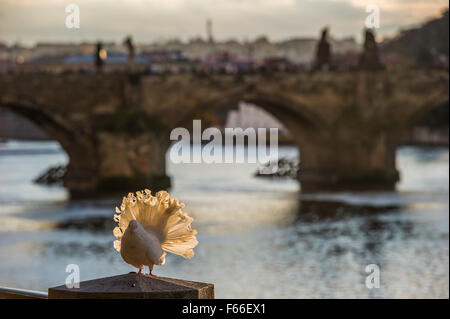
(260, 236)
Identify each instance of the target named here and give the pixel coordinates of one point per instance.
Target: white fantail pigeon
(149, 225)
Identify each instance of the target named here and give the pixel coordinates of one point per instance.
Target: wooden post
(134, 286)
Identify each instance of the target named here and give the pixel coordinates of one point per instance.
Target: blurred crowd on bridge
(231, 57)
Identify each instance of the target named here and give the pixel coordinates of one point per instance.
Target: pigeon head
(133, 225)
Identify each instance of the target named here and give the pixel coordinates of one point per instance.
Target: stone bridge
(115, 127)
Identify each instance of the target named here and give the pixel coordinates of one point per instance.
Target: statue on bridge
(323, 53)
(370, 59)
(99, 58)
(131, 52)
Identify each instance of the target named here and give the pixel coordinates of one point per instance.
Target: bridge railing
(14, 293)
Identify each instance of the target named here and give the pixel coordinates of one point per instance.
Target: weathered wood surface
(134, 286)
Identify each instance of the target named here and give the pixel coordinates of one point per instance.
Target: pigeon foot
(151, 275)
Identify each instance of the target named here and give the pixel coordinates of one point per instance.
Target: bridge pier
(81, 176)
(348, 161)
(121, 163)
(132, 162)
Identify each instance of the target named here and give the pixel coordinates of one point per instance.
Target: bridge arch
(437, 105)
(296, 119)
(309, 131)
(82, 162)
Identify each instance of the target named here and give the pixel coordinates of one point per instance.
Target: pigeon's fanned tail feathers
(179, 236)
(161, 215)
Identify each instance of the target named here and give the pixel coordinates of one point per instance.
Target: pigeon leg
(140, 271)
(150, 272)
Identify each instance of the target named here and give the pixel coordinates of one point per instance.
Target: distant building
(167, 61)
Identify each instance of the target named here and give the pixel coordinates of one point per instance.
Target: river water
(259, 238)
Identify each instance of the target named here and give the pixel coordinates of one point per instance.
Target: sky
(31, 21)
